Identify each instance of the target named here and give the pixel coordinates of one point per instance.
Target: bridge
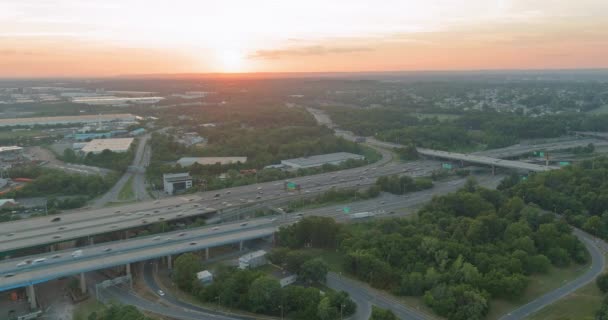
(488, 161)
(15, 273)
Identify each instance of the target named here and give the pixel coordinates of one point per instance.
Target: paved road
(598, 264)
(138, 160)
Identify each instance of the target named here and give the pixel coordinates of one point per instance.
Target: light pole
(218, 302)
(281, 307)
(341, 307)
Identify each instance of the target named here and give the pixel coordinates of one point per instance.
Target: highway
(42, 230)
(64, 263)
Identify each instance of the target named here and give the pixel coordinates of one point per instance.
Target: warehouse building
(116, 101)
(253, 260)
(88, 119)
(11, 153)
(115, 145)
(188, 161)
(319, 160)
(176, 182)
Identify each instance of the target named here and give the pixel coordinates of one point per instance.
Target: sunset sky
(112, 37)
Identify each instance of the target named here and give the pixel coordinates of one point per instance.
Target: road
(136, 170)
(598, 264)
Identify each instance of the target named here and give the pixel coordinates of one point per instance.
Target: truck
(362, 215)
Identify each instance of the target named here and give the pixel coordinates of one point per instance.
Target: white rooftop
(188, 161)
(252, 255)
(11, 148)
(115, 145)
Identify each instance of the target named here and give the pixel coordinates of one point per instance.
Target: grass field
(580, 305)
(126, 192)
(601, 110)
(439, 116)
(85, 308)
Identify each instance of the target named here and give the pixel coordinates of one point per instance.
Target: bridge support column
(241, 245)
(206, 253)
(91, 241)
(31, 296)
(126, 234)
(169, 262)
(493, 170)
(128, 268)
(83, 283)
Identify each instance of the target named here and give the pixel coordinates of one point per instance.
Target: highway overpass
(488, 161)
(117, 253)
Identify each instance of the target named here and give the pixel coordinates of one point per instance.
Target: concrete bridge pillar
(241, 245)
(128, 268)
(31, 296)
(83, 283)
(493, 170)
(206, 253)
(169, 262)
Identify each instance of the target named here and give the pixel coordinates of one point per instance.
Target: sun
(231, 60)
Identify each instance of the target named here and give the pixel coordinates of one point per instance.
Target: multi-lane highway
(58, 228)
(20, 272)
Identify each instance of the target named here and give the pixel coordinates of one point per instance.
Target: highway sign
(346, 210)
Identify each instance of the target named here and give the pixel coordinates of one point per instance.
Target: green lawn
(126, 192)
(581, 304)
(85, 308)
(601, 110)
(539, 285)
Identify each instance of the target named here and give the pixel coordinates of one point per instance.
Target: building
(253, 260)
(188, 161)
(191, 139)
(11, 154)
(115, 145)
(176, 182)
(205, 277)
(91, 136)
(86, 119)
(7, 203)
(319, 160)
(116, 101)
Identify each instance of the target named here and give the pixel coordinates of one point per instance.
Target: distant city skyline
(44, 38)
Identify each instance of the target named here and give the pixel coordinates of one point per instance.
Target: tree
(602, 282)
(325, 311)
(382, 314)
(313, 270)
(185, 269)
(264, 295)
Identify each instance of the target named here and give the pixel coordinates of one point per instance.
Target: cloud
(305, 51)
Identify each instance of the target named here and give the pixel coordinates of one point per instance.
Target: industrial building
(188, 161)
(11, 153)
(176, 182)
(116, 101)
(89, 119)
(115, 145)
(319, 160)
(253, 260)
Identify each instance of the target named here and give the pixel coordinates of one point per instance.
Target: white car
(77, 253)
(39, 260)
(161, 293)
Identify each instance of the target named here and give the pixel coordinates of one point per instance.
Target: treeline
(463, 250)
(51, 182)
(472, 129)
(118, 161)
(334, 195)
(578, 192)
(257, 292)
(403, 184)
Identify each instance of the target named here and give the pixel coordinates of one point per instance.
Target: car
(259, 188)
(155, 211)
(217, 195)
(156, 238)
(56, 219)
(192, 243)
(56, 237)
(178, 205)
(160, 293)
(227, 192)
(57, 256)
(61, 228)
(216, 228)
(258, 197)
(243, 224)
(181, 234)
(22, 264)
(299, 214)
(157, 202)
(107, 249)
(39, 260)
(77, 253)
(117, 211)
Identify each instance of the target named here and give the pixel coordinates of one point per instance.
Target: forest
(468, 131)
(579, 193)
(461, 251)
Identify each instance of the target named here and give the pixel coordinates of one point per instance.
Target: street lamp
(281, 307)
(218, 302)
(341, 307)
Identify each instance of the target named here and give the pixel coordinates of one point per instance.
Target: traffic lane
(375, 297)
(54, 271)
(114, 247)
(597, 266)
(364, 307)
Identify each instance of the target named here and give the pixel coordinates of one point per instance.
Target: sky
(45, 38)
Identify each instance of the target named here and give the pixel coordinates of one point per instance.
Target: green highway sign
(346, 210)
